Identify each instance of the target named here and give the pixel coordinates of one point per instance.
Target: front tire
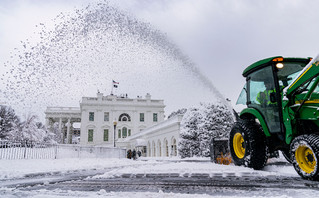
(247, 145)
(304, 151)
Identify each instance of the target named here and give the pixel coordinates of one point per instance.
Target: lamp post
(114, 124)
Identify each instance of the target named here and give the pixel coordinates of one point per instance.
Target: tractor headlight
(280, 65)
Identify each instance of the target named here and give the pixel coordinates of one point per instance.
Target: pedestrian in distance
(134, 154)
(129, 154)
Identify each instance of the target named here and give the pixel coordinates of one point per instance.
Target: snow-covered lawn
(11, 169)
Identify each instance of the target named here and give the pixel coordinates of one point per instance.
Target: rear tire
(304, 151)
(247, 145)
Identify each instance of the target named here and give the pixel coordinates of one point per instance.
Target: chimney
(99, 96)
(148, 96)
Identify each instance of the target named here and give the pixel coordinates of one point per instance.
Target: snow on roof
(165, 123)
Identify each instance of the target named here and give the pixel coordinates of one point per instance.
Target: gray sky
(220, 37)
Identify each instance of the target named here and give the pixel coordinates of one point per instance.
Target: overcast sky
(221, 37)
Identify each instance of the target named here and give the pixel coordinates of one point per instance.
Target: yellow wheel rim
(305, 159)
(238, 145)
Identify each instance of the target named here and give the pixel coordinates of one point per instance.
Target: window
(262, 96)
(91, 116)
(124, 132)
(242, 99)
(129, 132)
(106, 116)
(154, 117)
(106, 135)
(124, 117)
(141, 117)
(119, 133)
(90, 135)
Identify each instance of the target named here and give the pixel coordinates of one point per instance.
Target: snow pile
(186, 169)
(10, 169)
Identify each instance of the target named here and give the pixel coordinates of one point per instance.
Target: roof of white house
(161, 125)
(121, 100)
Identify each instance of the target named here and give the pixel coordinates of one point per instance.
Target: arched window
(124, 117)
(154, 149)
(174, 148)
(124, 132)
(149, 149)
(119, 134)
(166, 147)
(159, 148)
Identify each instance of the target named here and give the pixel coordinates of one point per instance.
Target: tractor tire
(304, 151)
(247, 144)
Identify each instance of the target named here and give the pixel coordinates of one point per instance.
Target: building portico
(65, 116)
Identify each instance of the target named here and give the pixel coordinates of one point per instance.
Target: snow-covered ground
(19, 169)
(11, 169)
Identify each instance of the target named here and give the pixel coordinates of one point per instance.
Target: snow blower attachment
(282, 102)
(219, 151)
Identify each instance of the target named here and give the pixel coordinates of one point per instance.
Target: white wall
(157, 135)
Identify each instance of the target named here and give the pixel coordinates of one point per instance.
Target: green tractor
(281, 96)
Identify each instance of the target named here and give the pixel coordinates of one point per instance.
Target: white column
(70, 132)
(60, 130)
(68, 125)
(60, 124)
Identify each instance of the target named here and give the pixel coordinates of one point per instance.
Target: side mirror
(272, 97)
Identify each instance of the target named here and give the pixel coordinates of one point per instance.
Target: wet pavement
(214, 184)
(232, 184)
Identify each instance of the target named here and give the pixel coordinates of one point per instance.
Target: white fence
(18, 150)
(76, 151)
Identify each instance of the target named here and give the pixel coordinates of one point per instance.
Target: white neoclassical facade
(119, 121)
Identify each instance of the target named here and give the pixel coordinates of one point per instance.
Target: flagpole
(112, 88)
(114, 85)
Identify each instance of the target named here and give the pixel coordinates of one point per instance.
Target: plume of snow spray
(87, 49)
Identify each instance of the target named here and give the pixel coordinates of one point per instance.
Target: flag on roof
(115, 84)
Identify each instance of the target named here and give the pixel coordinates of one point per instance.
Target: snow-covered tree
(56, 133)
(11, 128)
(178, 112)
(217, 121)
(189, 135)
(30, 130)
(200, 125)
(49, 137)
(9, 122)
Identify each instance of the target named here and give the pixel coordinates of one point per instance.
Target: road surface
(223, 184)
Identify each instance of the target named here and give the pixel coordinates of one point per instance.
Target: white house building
(119, 121)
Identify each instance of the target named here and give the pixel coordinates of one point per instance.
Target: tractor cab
(262, 93)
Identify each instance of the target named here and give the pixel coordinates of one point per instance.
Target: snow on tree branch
(200, 125)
